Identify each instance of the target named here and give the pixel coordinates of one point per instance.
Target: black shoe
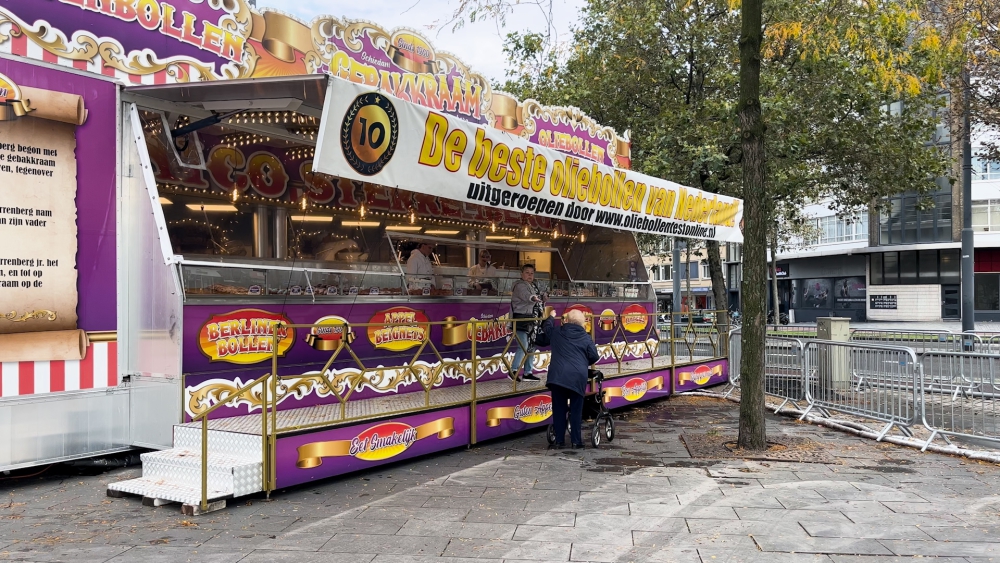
(577, 446)
(557, 446)
(510, 376)
(530, 377)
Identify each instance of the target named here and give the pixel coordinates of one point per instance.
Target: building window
(666, 273)
(905, 223)
(927, 267)
(833, 229)
(985, 170)
(986, 215)
(987, 292)
(706, 272)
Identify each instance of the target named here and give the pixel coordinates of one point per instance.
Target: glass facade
(905, 223)
(913, 267)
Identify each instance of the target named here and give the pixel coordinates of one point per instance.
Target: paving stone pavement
(640, 499)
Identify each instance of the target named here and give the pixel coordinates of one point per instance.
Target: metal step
(175, 476)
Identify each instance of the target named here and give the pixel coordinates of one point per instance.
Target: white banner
(370, 136)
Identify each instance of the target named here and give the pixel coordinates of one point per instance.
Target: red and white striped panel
(24, 47)
(98, 370)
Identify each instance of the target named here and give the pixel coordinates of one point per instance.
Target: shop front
(314, 274)
(816, 287)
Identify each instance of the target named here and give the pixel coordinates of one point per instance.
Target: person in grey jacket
(573, 352)
(525, 303)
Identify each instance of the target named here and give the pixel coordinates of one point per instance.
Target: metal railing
(919, 340)
(784, 373)
(344, 372)
(960, 395)
(878, 382)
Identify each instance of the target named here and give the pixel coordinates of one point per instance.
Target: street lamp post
(968, 244)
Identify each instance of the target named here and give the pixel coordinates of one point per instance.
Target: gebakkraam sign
(370, 136)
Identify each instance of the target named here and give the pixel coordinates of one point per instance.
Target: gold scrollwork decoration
(43, 314)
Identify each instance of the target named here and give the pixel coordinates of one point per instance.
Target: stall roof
(305, 94)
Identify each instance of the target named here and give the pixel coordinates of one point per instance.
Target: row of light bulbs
(271, 117)
(363, 211)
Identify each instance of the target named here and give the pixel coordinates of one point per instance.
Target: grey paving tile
(672, 555)
(918, 507)
(895, 559)
(943, 549)
(430, 559)
(386, 545)
(715, 555)
(245, 542)
(678, 511)
(561, 534)
(692, 540)
(865, 531)
(963, 533)
(476, 502)
(331, 526)
(521, 517)
(395, 513)
(167, 554)
(612, 553)
(74, 554)
(850, 546)
(508, 550)
(791, 515)
(893, 519)
(266, 556)
(430, 528)
(744, 527)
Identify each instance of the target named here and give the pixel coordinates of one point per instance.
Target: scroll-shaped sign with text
(371, 136)
(38, 190)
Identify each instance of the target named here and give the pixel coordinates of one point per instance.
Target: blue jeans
(529, 364)
(560, 395)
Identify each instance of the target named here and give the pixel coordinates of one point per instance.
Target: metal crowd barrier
(960, 394)
(783, 371)
(951, 393)
(919, 340)
(873, 381)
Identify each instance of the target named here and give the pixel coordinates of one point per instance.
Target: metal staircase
(235, 469)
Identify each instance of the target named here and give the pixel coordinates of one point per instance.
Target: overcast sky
(480, 45)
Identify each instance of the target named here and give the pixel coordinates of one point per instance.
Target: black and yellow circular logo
(369, 133)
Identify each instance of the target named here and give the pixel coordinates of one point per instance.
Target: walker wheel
(595, 436)
(609, 428)
(550, 435)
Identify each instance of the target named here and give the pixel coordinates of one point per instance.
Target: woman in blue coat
(573, 352)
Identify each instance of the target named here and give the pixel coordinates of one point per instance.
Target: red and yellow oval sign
(245, 336)
(411, 52)
(536, 408)
(607, 320)
(587, 312)
(634, 389)
(635, 318)
(402, 328)
(383, 441)
(702, 374)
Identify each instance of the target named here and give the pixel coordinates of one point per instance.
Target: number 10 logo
(369, 133)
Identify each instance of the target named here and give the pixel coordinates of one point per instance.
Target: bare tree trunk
(753, 434)
(721, 295)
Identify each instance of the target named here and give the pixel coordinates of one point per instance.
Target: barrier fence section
(960, 394)
(783, 369)
(952, 393)
(873, 381)
(919, 340)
